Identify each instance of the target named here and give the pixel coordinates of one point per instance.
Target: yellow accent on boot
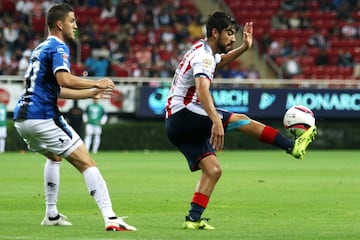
(302, 142)
(197, 225)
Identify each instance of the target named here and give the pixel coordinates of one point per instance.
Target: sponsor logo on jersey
(207, 63)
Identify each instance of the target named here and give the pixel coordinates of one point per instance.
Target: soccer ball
(298, 119)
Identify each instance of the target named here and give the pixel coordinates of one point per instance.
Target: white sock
(51, 186)
(98, 189)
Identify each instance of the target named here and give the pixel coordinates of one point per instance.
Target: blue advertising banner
(264, 103)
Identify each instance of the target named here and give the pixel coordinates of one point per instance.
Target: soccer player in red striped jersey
(197, 128)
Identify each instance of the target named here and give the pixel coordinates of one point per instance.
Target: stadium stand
(322, 15)
(165, 28)
(143, 23)
(136, 25)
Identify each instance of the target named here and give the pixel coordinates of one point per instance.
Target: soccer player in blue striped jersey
(42, 126)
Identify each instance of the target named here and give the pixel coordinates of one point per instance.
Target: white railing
(236, 83)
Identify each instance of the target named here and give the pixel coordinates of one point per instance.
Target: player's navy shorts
(190, 133)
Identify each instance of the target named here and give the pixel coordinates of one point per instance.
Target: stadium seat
(82, 20)
(242, 15)
(261, 12)
(323, 24)
(350, 43)
(356, 15)
(101, 22)
(248, 4)
(8, 6)
(297, 42)
(187, 4)
(234, 5)
(90, 12)
(119, 71)
(38, 24)
(319, 71)
(312, 5)
(298, 76)
(274, 4)
(307, 60)
(261, 4)
(313, 51)
(258, 32)
(306, 70)
(306, 33)
(280, 60)
(346, 71)
(332, 70)
(78, 69)
(321, 15)
(85, 51)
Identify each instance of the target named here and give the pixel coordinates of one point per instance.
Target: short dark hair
(220, 21)
(57, 12)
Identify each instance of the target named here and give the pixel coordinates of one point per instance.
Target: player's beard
(222, 47)
(68, 36)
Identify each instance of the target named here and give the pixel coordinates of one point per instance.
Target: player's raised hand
(105, 83)
(248, 34)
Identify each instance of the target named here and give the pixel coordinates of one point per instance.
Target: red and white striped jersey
(199, 60)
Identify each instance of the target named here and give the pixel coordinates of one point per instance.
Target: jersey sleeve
(203, 64)
(60, 58)
(217, 58)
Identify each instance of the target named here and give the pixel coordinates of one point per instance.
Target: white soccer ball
(298, 119)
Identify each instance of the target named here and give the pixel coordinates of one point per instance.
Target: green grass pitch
(262, 195)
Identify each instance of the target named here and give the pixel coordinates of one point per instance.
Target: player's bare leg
(269, 135)
(211, 173)
(260, 131)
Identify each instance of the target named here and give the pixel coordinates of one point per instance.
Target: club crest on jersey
(65, 57)
(207, 63)
(60, 50)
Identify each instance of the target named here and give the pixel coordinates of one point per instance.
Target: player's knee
(240, 116)
(216, 173)
(53, 157)
(239, 120)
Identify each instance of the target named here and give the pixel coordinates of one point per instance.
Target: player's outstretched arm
(66, 79)
(227, 58)
(97, 93)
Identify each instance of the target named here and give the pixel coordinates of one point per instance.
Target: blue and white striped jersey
(39, 100)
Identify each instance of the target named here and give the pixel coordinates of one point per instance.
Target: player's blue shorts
(190, 133)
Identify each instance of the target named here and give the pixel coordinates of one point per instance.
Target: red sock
(200, 199)
(268, 135)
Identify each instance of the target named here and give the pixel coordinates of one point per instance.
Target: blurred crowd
(331, 36)
(138, 38)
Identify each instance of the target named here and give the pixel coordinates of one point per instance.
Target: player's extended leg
(271, 135)
(81, 160)
(51, 187)
(211, 172)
